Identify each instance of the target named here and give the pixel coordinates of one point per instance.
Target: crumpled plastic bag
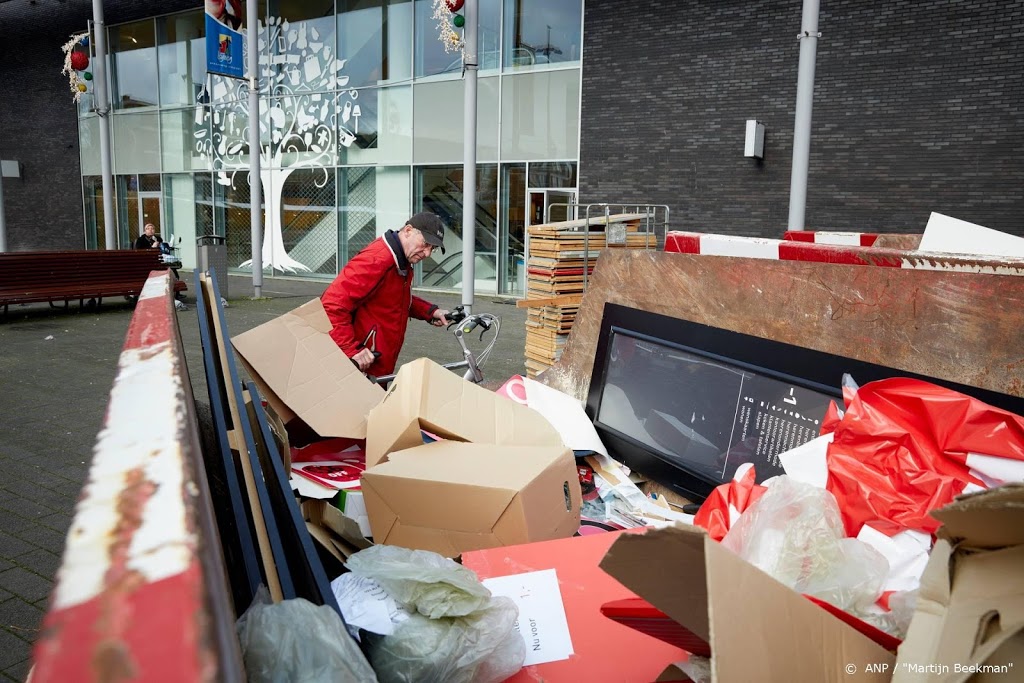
(482, 647)
(727, 502)
(905, 447)
(422, 581)
(297, 641)
(795, 533)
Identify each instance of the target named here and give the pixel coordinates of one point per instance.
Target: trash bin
(212, 256)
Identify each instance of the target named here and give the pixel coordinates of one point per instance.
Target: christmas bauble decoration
(455, 5)
(87, 75)
(79, 60)
(82, 87)
(459, 21)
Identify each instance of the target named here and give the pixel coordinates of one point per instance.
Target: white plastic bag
(482, 647)
(794, 532)
(421, 581)
(299, 642)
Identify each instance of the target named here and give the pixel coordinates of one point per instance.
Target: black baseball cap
(431, 227)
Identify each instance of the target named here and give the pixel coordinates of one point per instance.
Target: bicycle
(464, 324)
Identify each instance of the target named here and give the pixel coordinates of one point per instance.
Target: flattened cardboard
(426, 396)
(970, 609)
(450, 497)
(758, 628)
(302, 372)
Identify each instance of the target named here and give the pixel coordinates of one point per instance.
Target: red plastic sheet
(739, 494)
(900, 451)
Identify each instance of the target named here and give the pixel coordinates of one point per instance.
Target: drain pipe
(802, 125)
(469, 159)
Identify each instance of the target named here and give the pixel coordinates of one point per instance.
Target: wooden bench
(34, 276)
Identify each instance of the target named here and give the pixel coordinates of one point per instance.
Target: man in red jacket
(370, 302)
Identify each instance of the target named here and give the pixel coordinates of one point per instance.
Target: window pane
(370, 201)
(513, 234)
(439, 117)
(542, 32)
(180, 212)
(133, 64)
(233, 218)
(440, 189)
(308, 220)
(89, 144)
(136, 146)
(431, 57)
(182, 57)
(540, 115)
(383, 128)
(553, 174)
(179, 146)
(375, 37)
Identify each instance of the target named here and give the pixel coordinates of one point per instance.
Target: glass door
(149, 212)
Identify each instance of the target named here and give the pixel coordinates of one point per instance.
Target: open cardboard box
(450, 497)
(758, 629)
(426, 396)
(302, 373)
(969, 621)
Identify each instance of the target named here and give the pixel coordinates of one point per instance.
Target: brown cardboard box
(969, 621)
(302, 372)
(451, 497)
(426, 396)
(758, 629)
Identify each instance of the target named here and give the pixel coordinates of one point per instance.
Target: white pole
(802, 124)
(255, 189)
(469, 163)
(102, 104)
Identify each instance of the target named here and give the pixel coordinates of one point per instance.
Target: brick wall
(918, 107)
(38, 118)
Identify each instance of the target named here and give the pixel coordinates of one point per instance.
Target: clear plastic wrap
(482, 647)
(299, 642)
(422, 581)
(795, 533)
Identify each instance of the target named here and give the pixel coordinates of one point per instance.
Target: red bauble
(455, 5)
(79, 60)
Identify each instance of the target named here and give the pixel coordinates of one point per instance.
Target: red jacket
(374, 292)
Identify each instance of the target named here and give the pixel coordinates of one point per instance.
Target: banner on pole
(224, 40)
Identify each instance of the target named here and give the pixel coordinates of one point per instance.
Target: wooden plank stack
(559, 255)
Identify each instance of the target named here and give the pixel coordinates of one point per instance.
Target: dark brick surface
(918, 107)
(28, 586)
(12, 651)
(21, 619)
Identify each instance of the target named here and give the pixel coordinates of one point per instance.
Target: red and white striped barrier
(789, 250)
(849, 239)
(132, 600)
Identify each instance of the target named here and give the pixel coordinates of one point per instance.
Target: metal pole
(3, 223)
(255, 189)
(469, 160)
(802, 125)
(102, 104)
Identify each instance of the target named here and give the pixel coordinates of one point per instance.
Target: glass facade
(361, 125)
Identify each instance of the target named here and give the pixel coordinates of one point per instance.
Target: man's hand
(440, 317)
(364, 359)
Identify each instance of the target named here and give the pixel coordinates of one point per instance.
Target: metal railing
(654, 220)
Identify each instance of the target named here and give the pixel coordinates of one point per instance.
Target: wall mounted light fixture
(754, 141)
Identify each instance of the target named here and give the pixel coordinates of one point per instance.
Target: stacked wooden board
(560, 254)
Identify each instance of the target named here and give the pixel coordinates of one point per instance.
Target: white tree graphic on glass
(306, 112)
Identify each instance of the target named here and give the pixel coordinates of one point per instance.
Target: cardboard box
(758, 629)
(451, 497)
(328, 526)
(301, 372)
(426, 396)
(603, 649)
(969, 622)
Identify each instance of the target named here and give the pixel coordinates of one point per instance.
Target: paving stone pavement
(56, 371)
